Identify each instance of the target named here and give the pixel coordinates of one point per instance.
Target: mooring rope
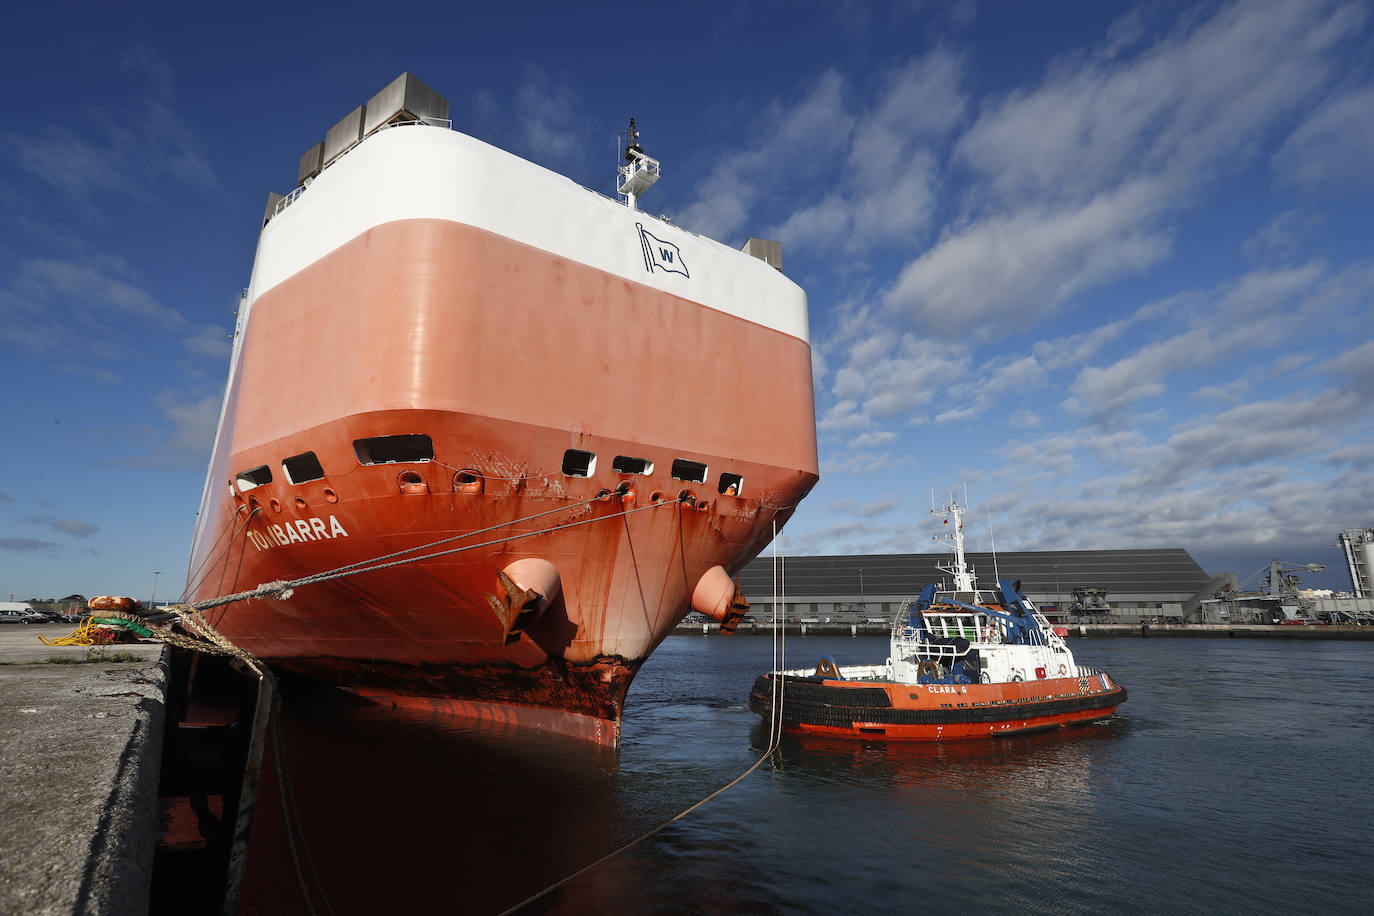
(201, 571)
(283, 588)
(459, 537)
(291, 821)
(774, 739)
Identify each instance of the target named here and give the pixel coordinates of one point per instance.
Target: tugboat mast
(963, 575)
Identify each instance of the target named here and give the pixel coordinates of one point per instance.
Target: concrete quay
(80, 750)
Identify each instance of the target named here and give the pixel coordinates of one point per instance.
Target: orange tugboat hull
(936, 712)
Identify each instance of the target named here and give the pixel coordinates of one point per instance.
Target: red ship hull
(505, 355)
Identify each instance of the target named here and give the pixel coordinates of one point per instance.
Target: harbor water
(1237, 778)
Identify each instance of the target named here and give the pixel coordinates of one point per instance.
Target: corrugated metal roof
(1155, 572)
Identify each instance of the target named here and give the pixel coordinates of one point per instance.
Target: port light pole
(152, 602)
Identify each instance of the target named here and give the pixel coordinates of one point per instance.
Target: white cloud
(73, 527)
(1176, 108)
(69, 162)
(82, 304)
(843, 416)
(28, 545)
(955, 414)
(1282, 236)
(550, 122)
(212, 341)
(130, 150)
(861, 462)
(881, 507)
(1005, 273)
(872, 439)
(882, 193)
(887, 376)
(795, 141)
(1249, 313)
(1081, 175)
(1334, 146)
(192, 432)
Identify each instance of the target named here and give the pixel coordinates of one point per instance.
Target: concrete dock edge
(80, 754)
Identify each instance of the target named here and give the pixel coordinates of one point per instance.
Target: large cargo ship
(514, 428)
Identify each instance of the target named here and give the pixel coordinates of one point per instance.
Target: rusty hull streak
(596, 689)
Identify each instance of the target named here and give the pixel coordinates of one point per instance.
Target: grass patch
(92, 655)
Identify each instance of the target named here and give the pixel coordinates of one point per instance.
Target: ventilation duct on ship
(765, 250)
(405, 97)
(344, 135)
(312, 160)
(717, 596)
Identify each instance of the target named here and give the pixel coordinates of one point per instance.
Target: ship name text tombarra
(304, 529)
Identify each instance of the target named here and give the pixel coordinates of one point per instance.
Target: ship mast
(963, 575)
(639, 172)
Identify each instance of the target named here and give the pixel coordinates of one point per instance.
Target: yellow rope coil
(84, 635)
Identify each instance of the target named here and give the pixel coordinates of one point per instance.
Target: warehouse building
(1117, 586)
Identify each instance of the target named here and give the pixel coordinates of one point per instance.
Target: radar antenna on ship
(639, 172)
(963, 575)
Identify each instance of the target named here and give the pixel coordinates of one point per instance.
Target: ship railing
(970, 626)
(410, 122)
(288, 200)
(848, 673)
(932, 650)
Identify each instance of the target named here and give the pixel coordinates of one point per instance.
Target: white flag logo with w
(659, 254)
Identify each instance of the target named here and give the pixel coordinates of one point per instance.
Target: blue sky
(1109, 265)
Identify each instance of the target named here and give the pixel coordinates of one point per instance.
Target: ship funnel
(718, 596)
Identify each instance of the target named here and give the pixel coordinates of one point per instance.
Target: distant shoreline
(1076, 630)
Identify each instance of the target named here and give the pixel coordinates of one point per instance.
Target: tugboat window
(302, 467)
(253, 477)
(624, 464)
(577, 463)
(690, 471)
(393, 449)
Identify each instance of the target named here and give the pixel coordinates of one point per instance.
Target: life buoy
(985, 678)
(1063, 670)
(119, 603)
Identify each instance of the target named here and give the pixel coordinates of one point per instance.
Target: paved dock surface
(80, 748)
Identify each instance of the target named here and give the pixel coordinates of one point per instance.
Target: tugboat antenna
(996, 576)
(963, 576)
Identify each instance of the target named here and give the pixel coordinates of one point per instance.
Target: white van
(19, 612)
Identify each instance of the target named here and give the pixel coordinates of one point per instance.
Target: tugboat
(964, 663)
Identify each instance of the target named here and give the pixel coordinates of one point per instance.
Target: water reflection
(402, 811)
(977, 766)
(1222, 750)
